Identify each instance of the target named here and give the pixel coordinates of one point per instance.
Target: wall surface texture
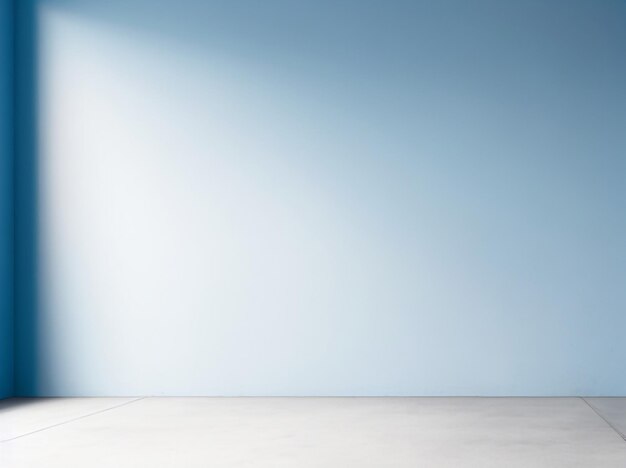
(6, 198)
(323, 198)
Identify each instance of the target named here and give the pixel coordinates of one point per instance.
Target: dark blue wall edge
(7, 205)
(25, 297)
(18, 138)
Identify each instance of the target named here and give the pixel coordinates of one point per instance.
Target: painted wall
(325, 198)
(6, 199)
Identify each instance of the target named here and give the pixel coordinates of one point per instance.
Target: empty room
(313, 233)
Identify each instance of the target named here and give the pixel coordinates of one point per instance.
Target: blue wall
(6, 198)
(26, 213)
(323, 198)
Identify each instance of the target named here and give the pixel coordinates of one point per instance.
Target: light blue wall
(6, 198)
(325, 198)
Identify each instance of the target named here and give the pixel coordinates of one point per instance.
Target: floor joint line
(73, 419)
(593, 408)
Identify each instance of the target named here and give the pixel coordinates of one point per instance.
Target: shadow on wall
(323, 198)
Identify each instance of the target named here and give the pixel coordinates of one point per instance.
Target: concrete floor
(313, 432)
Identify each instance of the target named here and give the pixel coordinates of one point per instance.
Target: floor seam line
(593, 408)
(73, 419)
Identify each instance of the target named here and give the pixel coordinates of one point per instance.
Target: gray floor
(313, 432)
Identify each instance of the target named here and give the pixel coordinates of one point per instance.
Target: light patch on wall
(180, 235)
